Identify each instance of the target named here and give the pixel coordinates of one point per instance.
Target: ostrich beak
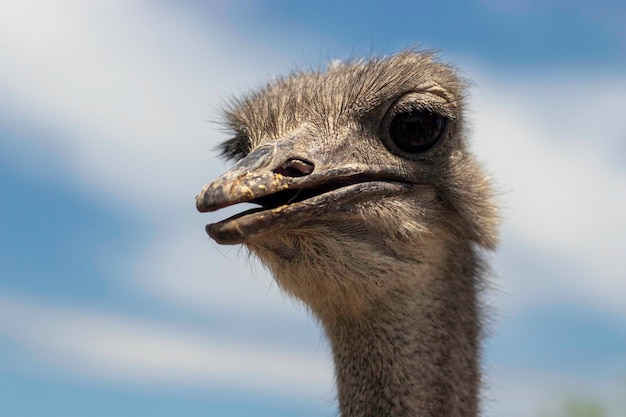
(289, 190)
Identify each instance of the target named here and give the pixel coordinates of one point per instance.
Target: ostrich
(374, 214)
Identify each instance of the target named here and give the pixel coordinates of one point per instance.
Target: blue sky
(114, 302)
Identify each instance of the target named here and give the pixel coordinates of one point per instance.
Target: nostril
(295, 168)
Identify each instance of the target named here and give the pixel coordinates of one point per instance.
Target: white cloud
(549, 143)
(125, 89)
(127, 349)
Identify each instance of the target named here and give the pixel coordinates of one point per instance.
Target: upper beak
(289, 189)
(254, 176)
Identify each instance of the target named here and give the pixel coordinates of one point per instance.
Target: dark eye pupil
(416, 131)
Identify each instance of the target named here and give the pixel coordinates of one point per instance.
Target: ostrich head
(362, 168)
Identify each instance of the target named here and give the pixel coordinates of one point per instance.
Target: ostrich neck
(414, 351)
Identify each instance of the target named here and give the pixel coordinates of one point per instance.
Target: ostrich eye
(417, 130)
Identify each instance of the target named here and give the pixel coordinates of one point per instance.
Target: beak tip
(200, 206)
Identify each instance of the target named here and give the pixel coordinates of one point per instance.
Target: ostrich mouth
(286, 201)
